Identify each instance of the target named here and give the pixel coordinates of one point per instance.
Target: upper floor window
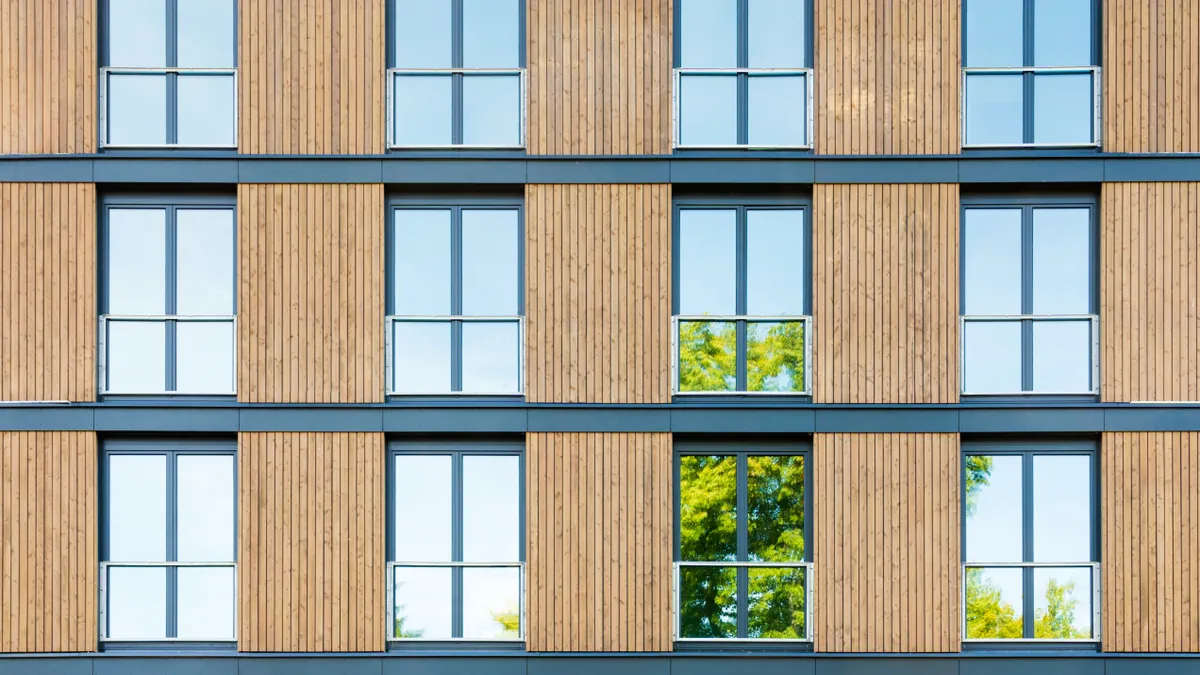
(742, 77)
(458, 75)
(167, 307)
(1029, 323)
(170, 75)
(1031, 75)
(742, 299)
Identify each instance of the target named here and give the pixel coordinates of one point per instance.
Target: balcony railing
(451, 603)
(456, 104)
(1028, 586)
(453, 342)
(121, 600)
(748, 105)
(735, 367)
(1024, 334)
(1027, 114)
(742, 607)
(170, 336)
(176, 105)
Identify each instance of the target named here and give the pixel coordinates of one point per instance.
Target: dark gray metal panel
(887, 421)
(793, 171)
(887, 171)
(1152, 419)
(437, 665)
(1030, 420)
(74, 170)
(166, 171)
(310, 171)
(478, 172)
(455, 420)
(701, 665)
(1162, 168)
(310, 419)
(212, 420)
(599, 171)
(598, 420)
(899, 665)
(46, 666)
(168, 665)
(331, 665)
(1153, 666)
(19, 418)
(1001, 665)
(700, 420)
(1063, 170)
(599, 665)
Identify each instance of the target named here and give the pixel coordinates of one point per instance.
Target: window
(169, 551)
(171, 74)
(742, 78)
(1031, 570)
(743, 569)
(456, 542)
(167, 320)
(1031, 75)
(1029, 323)
(457, 296)
(458, 76)
(742, 295)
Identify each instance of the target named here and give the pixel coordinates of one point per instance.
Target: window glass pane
(137, 33)
(422, 33)
(776, 34)
(491, 357)
(775, 273)
(1062, 357)
(491, 33)
(205, 487)
(1062, 110)
(993, 357)
(204, 364)
(1062, 508)
(995, 603)
(993, 508)
(204, 245)
(206, 598)
(137, 110)
(707, 261)
(137, 508)
(422, 110)
(206, 33)
(1062, 32)
(206, 110)
(708, 33)
(423, 602)
(707, 602)
(490, 274)
(777, 114)
(708, 110)
(491, 603)
(775, 356)
(137, 261)
(707, 356)
(775, 507)
(422, 262)
(492, 110)
(491, 508)
(992, 261)
(777, 600)
(708, 507)
(1062, 603)
(137, 603)
(421, 362)
(1061, 261)
(422, 522)
(137, 357)
(994, 33)
(995, 110)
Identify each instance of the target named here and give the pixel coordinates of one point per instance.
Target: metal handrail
(676, 106)
(391, 599)
(389, 349)
(390, 86)
(163, 70)
(676, 606)
(1093, 327)
(791, 318)
(102, 349)
(1097, 106)
(1096, 578)
(106, 566)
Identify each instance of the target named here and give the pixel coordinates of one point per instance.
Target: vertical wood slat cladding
(48, 76)
(47, 291)
(311, 576)
(599, 528)
(887, 76)
(887, 551)
(310, 298)
(1150, 279)
(311, 76)
(1150, 506)
(599, 77)
(1151, 76)
(48, 556)
(885, 289)
(598, 293)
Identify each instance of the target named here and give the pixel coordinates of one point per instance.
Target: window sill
(173, 647)
(776, 647)
(441, 647)
(1040, 647)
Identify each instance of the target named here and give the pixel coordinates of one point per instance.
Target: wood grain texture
(48, 75)
(311, 571)
(598, 293)
(1151, 76)
(1150, 533)
(599, 77)
(310, 301)
(48, 556)
(1149, 286)
(886, 510)
(887, 77)
(599, 527)
(885, 290)
(47, 291)
(311, 76)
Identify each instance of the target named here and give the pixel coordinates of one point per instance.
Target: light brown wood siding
(1149, 286)
(598, 293)
(310, 297)
(599, 77)
(47, 291)
(887, 77)
(599, 528)
(885, 291)
(311, 76)
(48, 73)
(48, 556)
(311, 542)
(887, 543)
(1151, 76)
(1150, 506)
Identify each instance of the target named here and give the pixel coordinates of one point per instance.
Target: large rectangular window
(742, 76)
(456, 542)
(1030, 553)
(742, 319)
(168, 544)
(458, 74)
(1031, 75)
(170, 74)
(169, 295)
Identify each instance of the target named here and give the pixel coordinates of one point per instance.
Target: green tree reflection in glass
(708, 532)
(775, 356)
(707, 356)
(775, 533)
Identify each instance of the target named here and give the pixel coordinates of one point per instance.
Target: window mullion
(456, 539)
(740, 299)
(172, 299)
(456, 303)
(1027, 297)
(743, 544)
(172, 572)
(1028, 601)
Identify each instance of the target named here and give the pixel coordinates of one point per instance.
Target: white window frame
(172, 122)
(1097, 103)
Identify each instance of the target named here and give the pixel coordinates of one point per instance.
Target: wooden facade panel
(1149, 285)
(888, 554)
(885, 290)
(599, 530)
(311, 76)
(311, 572)
(1150, 534)
(599, 77)
(310, 298)
(887, 77)
(48, 530)
(598, 293)
(1151, 76)
(47, 291)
